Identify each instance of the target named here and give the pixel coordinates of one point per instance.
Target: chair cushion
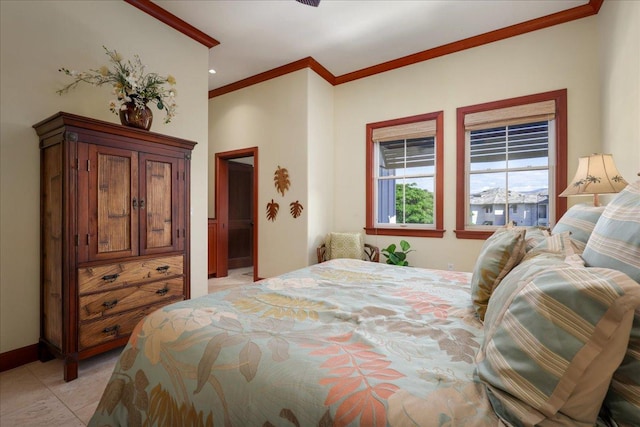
(499, 254)
(554, 335)
(345, 245)
(615, 241)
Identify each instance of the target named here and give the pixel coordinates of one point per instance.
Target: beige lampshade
(596, 174)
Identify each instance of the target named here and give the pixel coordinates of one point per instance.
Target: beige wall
(619, 31)
(273, 117)
(36, 39)
(320, 161)
(564, 56)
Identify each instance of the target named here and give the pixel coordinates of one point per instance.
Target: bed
(334, 343)
(350, 342)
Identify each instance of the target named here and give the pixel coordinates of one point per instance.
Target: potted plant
(397, 257)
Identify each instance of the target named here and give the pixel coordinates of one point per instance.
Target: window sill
(475, 234)
(410, 232)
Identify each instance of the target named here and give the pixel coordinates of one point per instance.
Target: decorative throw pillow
(615, 241)
(499, 254)
(554, 335)
(623, 397)
(525, 269)
(346, 245)
(534, 236)
(579, 220)
(560, 245)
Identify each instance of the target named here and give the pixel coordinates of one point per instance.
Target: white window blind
(407, 154)
(515, 142)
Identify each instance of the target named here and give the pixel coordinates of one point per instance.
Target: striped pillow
(615, 241)
(561, 245)
(623, 398)
(579, 220)
(534, 236)
(554, 335)
(499, 254)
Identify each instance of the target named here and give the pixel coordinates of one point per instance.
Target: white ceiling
(342, 35)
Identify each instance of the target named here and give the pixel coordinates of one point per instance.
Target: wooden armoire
(114, 232)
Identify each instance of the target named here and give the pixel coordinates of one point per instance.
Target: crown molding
(562, 17)
(174, 22)
(300, 64)
(579, 12)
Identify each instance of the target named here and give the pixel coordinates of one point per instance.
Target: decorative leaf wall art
(281, 180)
(296, 209)
(272, 210)
(282, 184)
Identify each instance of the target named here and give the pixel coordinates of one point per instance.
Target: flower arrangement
(130, 84)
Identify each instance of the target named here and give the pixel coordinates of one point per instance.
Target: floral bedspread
(345, 342)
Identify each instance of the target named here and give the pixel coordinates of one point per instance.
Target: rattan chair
(369, 253)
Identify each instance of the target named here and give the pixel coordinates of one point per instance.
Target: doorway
(236, 184)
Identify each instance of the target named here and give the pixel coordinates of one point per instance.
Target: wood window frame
(561, 143)
(438, 230)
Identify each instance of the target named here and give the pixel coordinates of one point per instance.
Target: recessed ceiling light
(212, 71)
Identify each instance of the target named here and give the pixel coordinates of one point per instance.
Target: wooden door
(110, 230)
(161, 226)
(212, 241)
(240, 215)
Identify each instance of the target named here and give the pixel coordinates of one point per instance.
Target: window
(511, 156)
(404, 176)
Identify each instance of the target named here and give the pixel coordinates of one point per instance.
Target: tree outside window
(404, 176)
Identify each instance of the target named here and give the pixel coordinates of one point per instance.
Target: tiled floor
(36, 395)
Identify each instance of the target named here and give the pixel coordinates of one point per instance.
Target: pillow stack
(562, 318)
(553, 340)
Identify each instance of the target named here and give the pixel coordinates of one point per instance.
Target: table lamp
(596, 174)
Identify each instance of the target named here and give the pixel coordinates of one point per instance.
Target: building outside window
(513, 158)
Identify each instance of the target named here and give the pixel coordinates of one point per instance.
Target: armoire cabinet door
(161, 221)
(113, 203)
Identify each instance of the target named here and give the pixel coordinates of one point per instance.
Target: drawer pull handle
(162, 292)
(109, 304)
(162, 269)
(110, 277)
(111, 330)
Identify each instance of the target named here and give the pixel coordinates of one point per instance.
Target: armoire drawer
(111, 328)
(118, 300)
(112, 276)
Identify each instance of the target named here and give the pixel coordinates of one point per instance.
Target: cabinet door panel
(113, 203)
(159, 212)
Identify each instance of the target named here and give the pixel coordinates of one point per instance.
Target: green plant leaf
(394, 258)
(405, 245)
